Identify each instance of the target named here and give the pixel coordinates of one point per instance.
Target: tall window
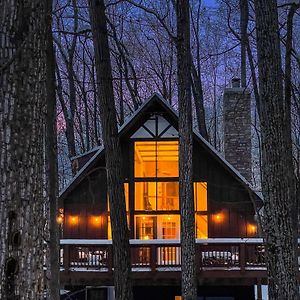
(200, 200)
(156, 190)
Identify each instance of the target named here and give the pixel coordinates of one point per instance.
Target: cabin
(229, 252)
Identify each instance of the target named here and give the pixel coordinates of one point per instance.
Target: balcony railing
(164, 255)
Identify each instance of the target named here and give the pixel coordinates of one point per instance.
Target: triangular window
(155, 127)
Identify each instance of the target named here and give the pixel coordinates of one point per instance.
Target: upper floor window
(156, 159)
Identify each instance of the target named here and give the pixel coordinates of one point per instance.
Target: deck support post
(242, 257)
(259, 290)
(66, 258)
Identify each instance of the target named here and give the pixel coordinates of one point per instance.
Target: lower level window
(149, 227)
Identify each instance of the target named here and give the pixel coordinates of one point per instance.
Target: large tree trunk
(22, 110)
(188, 282)
(51, 161)
(278, 178)
(120, 234)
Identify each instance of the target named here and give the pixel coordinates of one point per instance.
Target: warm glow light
(251, 229)
(146, 237)
(96, 220)
(59, 219)
(74, 220)
(218, 218)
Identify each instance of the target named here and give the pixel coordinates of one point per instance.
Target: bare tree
(51, 159)
(188, 268)
(120, 233)
(244, 17)
(278, 178)
(22, 110)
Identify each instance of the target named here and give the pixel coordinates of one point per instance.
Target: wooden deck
(157, 262)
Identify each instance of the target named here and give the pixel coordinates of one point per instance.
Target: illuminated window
(200, 199)
(156, 195)
(201, 226)
(145, 227)
(156, 159)
(167, 195)
(159, 226)
(145, 196)
(170, 228)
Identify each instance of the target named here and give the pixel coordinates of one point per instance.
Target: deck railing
(160, 255)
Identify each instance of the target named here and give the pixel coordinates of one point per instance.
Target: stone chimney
(237, 127)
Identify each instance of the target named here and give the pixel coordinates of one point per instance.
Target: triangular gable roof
(127, 125)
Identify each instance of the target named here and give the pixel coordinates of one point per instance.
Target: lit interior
(201, 226)
(156, 159)
(156, 196)
(165, 227)
(200, 196)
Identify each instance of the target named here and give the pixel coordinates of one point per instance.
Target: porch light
(74, 220)
(96, 220)
(251, 229)
(218, 218)
(60, 217)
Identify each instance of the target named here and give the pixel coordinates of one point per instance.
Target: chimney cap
(236, 82)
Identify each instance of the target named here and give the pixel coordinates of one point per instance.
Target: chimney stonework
(237, 128)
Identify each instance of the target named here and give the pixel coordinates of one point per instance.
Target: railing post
(242, 257)
(153, 258)
(110, 258)
(66, 257)
(259, 290)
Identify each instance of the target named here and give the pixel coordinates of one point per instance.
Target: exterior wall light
(96, 220)
(218, 218)
(73, 220)
(251, 229)
(60, 217)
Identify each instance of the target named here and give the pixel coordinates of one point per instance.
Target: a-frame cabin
(230, 256)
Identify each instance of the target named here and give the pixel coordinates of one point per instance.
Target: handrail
(164, 242)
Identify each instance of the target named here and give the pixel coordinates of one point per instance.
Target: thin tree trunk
(199, 101)
(22, 110)
(244, 17)
(188, 281)
(278, 178)
(120, 233)
(51, 157)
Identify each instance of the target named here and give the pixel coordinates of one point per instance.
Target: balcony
(90, 261)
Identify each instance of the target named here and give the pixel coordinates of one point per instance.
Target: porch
(228, 261)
